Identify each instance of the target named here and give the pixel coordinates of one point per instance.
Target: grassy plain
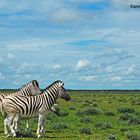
(90, 115)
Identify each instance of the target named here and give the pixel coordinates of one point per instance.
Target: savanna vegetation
(89, 115)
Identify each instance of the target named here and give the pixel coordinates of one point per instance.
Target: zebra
(29, 89)
(32, 106)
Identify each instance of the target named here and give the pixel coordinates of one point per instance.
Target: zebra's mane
(53, 84)
(33, 82)
(24, 86)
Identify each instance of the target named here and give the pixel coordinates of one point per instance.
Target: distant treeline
(72, 90)
(105, 91)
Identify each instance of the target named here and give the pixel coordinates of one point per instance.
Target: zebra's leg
(16, 123)
(42, 130)
(40, 122)
(9, 123)
(6, 126)
(27, 125)
(55, 109)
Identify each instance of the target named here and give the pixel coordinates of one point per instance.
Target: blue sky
(88, 44)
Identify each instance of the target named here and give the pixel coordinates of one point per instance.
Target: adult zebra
(29, 89)
(31, 106)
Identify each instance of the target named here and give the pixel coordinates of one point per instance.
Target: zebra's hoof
(14, 135)
(5, 133)
(26, 129)
(38, 136)
(8, 135)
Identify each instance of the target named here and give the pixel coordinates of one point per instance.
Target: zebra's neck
(51, 95)
(26, 90)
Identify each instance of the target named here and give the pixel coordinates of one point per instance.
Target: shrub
(123, 130)
(88, 102)
(108, 113)
(59, 126)
(85, 120)
(62, 114)
(125, 117)
(133, 135)
(126, 110)
(85, 131)
(72, 108)
(122, 100)
(89, 111)
(92, 111)
(79, 113)
(112, 137)
(94, 104)
(134, 120)
(103, 125)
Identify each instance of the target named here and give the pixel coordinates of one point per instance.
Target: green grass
(90, 116)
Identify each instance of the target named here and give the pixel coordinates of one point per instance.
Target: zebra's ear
(61, 84)
(35, 83)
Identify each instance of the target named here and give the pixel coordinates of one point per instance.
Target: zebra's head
(32, 88)
(62, 92)
(35, 87)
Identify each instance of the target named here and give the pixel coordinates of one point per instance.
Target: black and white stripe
(29, 89)
(35, 105)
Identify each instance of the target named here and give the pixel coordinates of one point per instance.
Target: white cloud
(1, 60)
(115, 78)
(23, 67)
(10, 55)
(63, 15)
(109, 68)
(57, 66)
(130, 69)
(82, 64)
(1, 76)
(87, 78)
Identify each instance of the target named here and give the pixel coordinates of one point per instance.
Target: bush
(85, 120)
(108, 113)
(122, 100)
(123, 130)
(126, 110)
(79, 113)
(72, 108)
(133, 135)
(62, 114)
(103, 125)
(112, 137)
(89, 111)
(134, 120)
(88, 102)
(92, 111)
(125, 117)
(94, 104)
(59, 126)
(85, 131)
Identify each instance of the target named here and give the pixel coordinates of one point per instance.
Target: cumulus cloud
(10, 55)
(1, 76)
(64, 15)
(23, 67)
(87, 78)
(130, 69)
(109, 68)
(83, 63)
(115, 78)
(57, 66)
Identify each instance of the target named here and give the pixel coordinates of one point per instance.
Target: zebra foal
(31, 106)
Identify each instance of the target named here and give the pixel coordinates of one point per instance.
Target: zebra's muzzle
(66, 97)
